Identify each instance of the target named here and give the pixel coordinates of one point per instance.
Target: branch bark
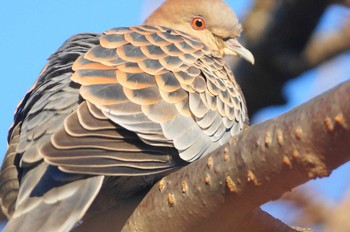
(268, 159)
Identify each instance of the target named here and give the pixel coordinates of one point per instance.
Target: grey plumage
(118, 109)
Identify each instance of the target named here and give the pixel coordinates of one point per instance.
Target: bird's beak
(234, 48)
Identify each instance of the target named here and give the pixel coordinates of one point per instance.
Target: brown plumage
(121, 109)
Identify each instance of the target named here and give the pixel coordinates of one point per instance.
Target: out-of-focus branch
(260, 221)
(338, 220)
(2, 217)
(258, 20)
(314, 209)
(215, 193)
(322, 48)
(278, 48)
(343, 2)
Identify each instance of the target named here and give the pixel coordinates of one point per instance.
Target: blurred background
(301, 50)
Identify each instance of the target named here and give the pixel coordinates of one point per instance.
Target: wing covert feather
(179, 92)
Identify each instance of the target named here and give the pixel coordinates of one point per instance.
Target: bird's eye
(198, 23)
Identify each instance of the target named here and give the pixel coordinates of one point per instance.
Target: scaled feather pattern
(122, 109)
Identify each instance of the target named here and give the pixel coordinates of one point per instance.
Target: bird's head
(212, 21)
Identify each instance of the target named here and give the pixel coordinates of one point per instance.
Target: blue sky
(32, 30)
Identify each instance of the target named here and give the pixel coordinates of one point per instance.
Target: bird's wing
(41, 113)
(9, 183)
(140, 96)
(89, 143)
(162, 85)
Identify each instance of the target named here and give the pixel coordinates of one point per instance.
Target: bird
(111, 113)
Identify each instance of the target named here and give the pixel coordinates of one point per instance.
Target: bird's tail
(60, 209)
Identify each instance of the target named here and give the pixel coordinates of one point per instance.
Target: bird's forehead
(213, 9)
(220, 18)
(216, 12)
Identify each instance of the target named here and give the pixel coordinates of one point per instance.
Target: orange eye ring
(198, 23)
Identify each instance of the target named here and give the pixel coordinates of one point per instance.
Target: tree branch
(321, 50)
(278, 49)
(312, 208)
(338, 219)
(260, 221)
(216, 192)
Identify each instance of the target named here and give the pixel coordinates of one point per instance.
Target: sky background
(32, 30)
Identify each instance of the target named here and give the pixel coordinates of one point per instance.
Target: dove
(112, 113)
